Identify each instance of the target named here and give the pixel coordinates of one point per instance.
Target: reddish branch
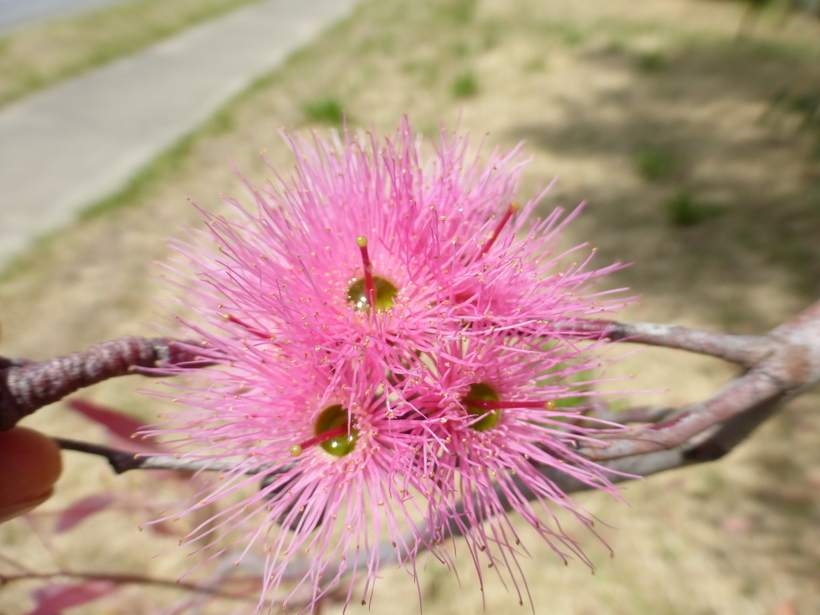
(26, 386)
(124, 579)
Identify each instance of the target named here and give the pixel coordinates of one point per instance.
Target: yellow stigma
(515, 207)
(361, 241)
(296, 450)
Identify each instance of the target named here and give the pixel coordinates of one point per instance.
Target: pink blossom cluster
(396, 357)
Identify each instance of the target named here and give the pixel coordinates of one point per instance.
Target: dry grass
(40, 55)
(592, 87)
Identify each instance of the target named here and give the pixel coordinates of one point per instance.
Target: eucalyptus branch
(637, 414)
(788, 363)
(124, 461)
(26, 386)
(745, 350)
(123, 579)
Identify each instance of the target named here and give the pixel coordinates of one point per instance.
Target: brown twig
(124, 461)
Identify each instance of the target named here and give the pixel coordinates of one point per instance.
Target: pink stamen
(513, 208)
(369, 286)
(247, 327)
(486, 404)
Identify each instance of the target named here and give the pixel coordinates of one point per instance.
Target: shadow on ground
(729, 187)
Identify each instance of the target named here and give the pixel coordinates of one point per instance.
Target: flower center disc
(483, 392)
(334, 417)
(384, 291)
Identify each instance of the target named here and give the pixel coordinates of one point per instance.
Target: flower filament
(513, 208)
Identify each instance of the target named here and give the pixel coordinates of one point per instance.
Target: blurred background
(691, 128)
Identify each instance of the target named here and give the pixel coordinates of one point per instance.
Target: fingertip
(31, 464)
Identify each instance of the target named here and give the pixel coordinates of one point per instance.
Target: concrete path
(15, 14)
(67, 147)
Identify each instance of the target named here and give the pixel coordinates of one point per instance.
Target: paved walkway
(15, 14)
(71, 145)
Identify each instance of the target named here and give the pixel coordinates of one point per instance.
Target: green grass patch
(458, 11)
(684, 209)
(465, 85)
(459, 49)
(43, 54)
(427, 71)
(651, 62)
(656, 164)
(324, 111)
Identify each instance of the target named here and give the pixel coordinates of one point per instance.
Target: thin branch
(14, 563)
(124, 461)
(124, 579)
(736, 398)
(731, 433)
(789, 367)
(636, 414)
(745, 350)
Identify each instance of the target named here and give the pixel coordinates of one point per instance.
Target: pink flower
(506, 429)
(394, 342)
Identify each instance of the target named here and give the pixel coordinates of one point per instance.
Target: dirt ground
(659, 116)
